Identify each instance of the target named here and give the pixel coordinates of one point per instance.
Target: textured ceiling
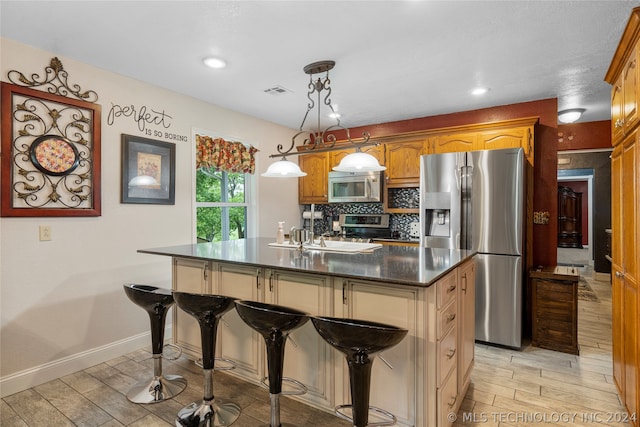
(394, 59)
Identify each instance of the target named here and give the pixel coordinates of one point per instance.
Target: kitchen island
(430, 292)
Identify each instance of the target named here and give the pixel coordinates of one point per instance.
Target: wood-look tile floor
(508, 388)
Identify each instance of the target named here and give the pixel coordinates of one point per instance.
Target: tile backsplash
(400, 224)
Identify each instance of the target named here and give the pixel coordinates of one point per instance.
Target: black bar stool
(359, 340)
(207, 309)
(156, 301)
(274, 323)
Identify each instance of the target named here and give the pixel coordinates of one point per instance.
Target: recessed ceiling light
(213, 62)
(480, 91)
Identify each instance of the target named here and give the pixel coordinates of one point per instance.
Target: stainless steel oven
(350, 187)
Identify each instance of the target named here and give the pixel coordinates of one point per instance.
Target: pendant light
(359, 162)
(319, 140)
(283, 169)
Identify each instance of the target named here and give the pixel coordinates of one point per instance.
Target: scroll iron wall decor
(50, 146)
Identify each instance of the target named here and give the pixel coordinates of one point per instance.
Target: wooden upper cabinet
(617, 106)
(455, 142)
(313, 188)
(403, 161)
(629, 89)
(505, 138)
(625, 228)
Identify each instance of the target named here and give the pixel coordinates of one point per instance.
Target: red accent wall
(582, 136)
(545, 237)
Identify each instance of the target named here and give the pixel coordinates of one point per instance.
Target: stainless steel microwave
(350, 187)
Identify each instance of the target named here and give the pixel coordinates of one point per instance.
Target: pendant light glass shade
(283, 169)
(359, 162)
(143, 181)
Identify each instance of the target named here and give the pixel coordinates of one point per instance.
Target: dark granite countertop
(405, 265)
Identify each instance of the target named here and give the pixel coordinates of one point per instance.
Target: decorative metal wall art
(55, 81)
(50, 153)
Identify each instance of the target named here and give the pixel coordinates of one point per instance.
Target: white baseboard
(37, 375)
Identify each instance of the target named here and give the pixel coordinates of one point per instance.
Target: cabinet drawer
(447, 354)
(446, 319)
(447, 396)
(446, 289)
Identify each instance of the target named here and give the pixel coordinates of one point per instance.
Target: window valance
(224, 156)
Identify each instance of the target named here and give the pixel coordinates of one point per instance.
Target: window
(221, 205)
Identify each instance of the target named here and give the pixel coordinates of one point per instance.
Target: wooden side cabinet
(554, 308)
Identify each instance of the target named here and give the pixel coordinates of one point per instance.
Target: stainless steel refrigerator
(475, 200)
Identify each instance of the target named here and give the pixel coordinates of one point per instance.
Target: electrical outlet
(45, 233)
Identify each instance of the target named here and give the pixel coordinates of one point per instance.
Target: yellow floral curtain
(224, 156)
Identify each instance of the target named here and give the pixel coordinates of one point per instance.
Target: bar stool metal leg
(359, 340)
(211, 412)
(156, 302)
(274, 323)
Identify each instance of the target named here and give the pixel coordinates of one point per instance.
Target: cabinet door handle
(452, 401)
(464, 283)
(344, 293)
(451, 289)
(271, 282)
(205, 272)
(451, 353)
(258, 279)
(619, 275)
(451, 317)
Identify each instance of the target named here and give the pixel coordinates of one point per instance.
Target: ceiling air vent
(276, 90)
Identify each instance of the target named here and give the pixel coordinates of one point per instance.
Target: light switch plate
(45, 233)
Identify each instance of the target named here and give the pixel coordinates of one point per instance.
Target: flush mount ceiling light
(571, 115)
(213, 62)
(319, 140)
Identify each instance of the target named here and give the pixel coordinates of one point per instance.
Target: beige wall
(62, 303)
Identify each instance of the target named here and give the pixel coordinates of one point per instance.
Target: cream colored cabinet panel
(446, 289)
(391, 389)
(307, 357)
(191, 276)
(466, 324)
(447, 400)
(447, 354)
(236, 340)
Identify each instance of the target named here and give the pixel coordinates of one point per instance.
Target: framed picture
(50, 154)
(148, 171)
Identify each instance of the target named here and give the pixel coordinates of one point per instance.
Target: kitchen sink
(333, 246)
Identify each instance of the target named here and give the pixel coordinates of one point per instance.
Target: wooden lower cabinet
(554, 307)
(427, 373)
